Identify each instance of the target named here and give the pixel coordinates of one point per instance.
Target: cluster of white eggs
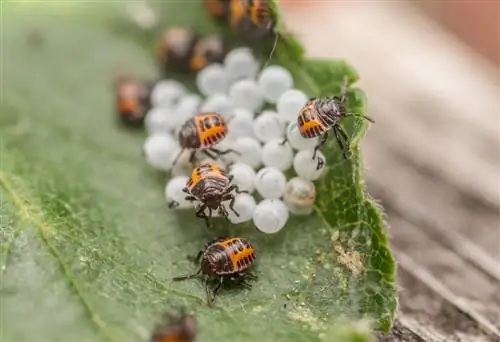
(238, 90)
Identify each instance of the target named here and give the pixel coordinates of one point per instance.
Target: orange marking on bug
(129, 98)
(172, 338)
(311, 126)
(198, 61)
(259, 13)
(211, 127)
(203, 172)
(238, 252)
(214, 7)
(238, 10)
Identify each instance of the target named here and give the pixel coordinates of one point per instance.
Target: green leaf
(88, 246)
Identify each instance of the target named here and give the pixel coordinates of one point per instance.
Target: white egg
(270, 183)
(278, 155)
(290, 103)
(270, 216)
(159, 150)
(273, 81)
(219, 103)
(158, 120)
(174, 193)
(243, 176)
(306, 167)
(296, 140)
(267, 126)
(240, 124)
(187, 107)
(241, 63)
(245, 94)
(212, 79)
(244, 205)
(166, 93)
(249, 152)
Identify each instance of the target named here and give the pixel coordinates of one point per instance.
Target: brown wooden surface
(432, 160)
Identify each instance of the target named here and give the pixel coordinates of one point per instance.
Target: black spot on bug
(207, 123)
(216, 121)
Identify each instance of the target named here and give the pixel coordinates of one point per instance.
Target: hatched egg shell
(300, 195)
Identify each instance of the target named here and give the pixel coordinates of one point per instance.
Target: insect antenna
(361, 116)
(188, 276)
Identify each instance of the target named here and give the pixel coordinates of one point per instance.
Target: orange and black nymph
(202, 132)
(175, 48)
(175, 328)
(132, 100)
(217, 9)
(207, 50)
(253, 18)
(319, 115)
(211, 186)
(224, 259)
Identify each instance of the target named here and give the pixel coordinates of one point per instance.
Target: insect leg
(173, 204)
(284, 141)
(231, 204)
(196, 258)
(209, 155)
(323, 140)
(192, 158)
(189, 276)
(343, 90)
(200, 212)
(342, 140)
(236, 189)
(178, 155)
(223, 212)
(190, 198)
(186, 190)
(221, 153)
(215, 291)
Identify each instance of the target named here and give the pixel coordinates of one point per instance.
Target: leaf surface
(88, 245)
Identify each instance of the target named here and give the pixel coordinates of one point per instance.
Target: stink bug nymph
(254, 19)
(175, 328)
(261, 14)
(320, 114)
(224, 259)
(132, 100)
(211, 186)
(207, 50)
(175, 48)
(202, 132)
(217, 9)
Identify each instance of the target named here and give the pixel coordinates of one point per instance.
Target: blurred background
(430, 70)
